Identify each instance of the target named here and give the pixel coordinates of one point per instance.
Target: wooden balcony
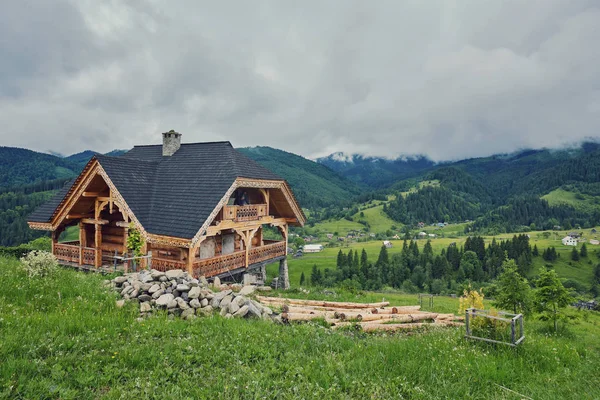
(244, 213)
(71, 252)
(218, 265)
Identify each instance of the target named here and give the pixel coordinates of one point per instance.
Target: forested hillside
(23, 167)
(503, 192)
(314, 185)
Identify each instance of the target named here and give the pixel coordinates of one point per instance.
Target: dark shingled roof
(44, 212)
(174, 195)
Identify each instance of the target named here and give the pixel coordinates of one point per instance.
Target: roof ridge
(186, 144)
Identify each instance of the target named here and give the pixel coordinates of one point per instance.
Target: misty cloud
(443, 78)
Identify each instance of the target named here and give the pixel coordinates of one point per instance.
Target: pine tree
(550, 297)
(575, 254)
(514, 292)
(302, 279)
(583, 253)
(535, 251)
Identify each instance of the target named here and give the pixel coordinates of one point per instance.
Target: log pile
(369, 317)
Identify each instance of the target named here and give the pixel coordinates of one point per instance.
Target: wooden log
(323, 303)
(388, 317)
(287, 317)
(398, 310)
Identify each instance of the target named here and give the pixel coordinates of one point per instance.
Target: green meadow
(63, 338)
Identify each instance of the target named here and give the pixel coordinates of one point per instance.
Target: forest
(415, 270)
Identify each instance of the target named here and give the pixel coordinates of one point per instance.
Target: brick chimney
(171, 142)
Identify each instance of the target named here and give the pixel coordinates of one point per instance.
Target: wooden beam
(104, 198)
(79, 216)
(247, 225)
(95, 221)
(90, 194)
(122, 224)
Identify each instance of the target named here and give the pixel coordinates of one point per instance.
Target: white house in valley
(312, 248)
(569, 241)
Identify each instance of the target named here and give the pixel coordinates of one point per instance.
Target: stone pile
(184, 296)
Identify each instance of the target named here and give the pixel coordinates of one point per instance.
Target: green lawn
(579, 201)
(64, 338)
(378, 221)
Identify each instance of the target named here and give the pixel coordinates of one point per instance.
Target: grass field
(379, 222)
(581, 271)
(581, 202)
(63, 337)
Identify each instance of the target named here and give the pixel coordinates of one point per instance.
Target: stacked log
(368, 317)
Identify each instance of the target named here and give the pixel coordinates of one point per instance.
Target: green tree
(550, 297)
(302, 279)
(583, 252)
(513, 290)
(575, 254)
(316, 277)
(535, 251)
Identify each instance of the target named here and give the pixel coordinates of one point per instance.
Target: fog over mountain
(448, 80)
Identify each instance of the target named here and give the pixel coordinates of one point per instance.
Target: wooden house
(200, 207)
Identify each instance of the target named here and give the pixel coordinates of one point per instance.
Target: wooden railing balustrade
(71, 252)
(217, 265)
(266, 252)
(162, 264)
(250, 212)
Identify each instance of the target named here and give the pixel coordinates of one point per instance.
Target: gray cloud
(449, 79)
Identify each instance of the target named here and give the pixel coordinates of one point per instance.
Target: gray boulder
(120, 303)
(172, 304)
(242, 312)
(183, 288)
(204, 311)
(174, 274)
(156, 295)
(156, 274)
(163, 300)
(204, 302)
(144, 297)
(223, 311)
(233, 307)
(189, 312)
(182, 304)
(154, 288)
(120, 280)
(195, 303)
(145, 307)
(226, 300)
(247, 290)
(194, 292)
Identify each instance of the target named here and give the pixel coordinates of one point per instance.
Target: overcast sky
(449, 79)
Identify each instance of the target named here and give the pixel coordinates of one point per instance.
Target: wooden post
(190, 261)
(81, 242)
(248, 243)
(54, 239)
(98, 244)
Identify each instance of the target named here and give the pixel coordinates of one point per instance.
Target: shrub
(39, 263)
(470, 299)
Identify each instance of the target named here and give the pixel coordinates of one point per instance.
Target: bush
(39, 263)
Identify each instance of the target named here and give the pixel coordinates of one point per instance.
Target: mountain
(85, 156)
(23, 167)
(373, 172)
(314, 184)
(508, 192)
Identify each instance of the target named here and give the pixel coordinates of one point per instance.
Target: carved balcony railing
(71, 252)
(163, 264)
(245, 213)
(266, 252)
(220, 264)
(88, 256)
